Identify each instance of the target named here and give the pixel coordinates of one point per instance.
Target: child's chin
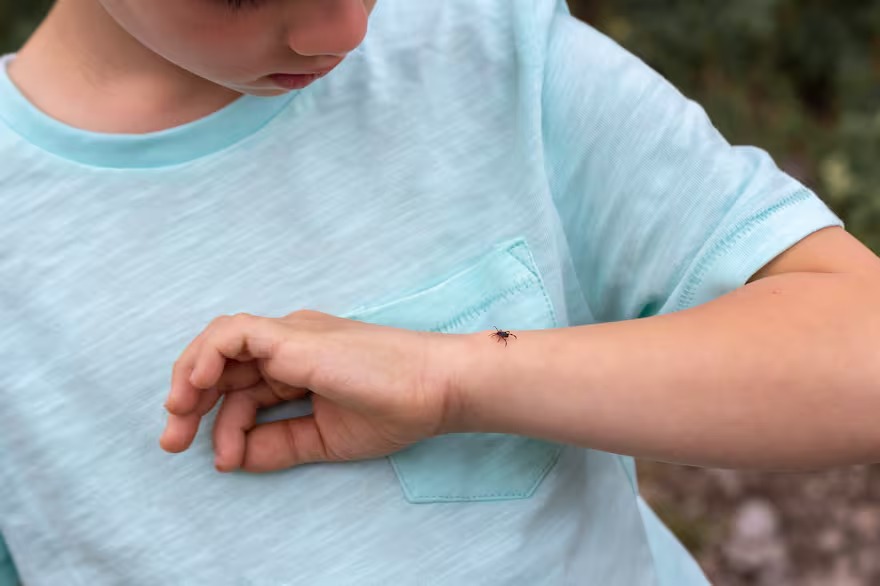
(262, 92)
(265, 91)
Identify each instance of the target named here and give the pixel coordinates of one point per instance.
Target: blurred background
(801, 79)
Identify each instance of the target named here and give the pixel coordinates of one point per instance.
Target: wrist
(455, 361)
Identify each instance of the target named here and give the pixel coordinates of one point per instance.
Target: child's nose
(328, 27)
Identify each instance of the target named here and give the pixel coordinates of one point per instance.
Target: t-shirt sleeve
(8, 575)
(660, 212)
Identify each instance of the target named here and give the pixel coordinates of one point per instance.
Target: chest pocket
(502, 288)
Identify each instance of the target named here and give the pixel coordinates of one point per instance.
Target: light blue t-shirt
(472, 164)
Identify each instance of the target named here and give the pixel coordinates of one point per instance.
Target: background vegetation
(800, 78)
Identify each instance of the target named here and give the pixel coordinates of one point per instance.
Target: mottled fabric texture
(472, 164)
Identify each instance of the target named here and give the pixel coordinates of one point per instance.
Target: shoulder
(464, 29)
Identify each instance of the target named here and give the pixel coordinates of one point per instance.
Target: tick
(502, 335)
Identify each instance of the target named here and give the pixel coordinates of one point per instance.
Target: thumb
(283, 444)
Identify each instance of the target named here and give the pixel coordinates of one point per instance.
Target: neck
(82, 68)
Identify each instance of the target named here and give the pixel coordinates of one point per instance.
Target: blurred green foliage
(800, 78)
(17, 19)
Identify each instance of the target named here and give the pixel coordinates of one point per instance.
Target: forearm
(782, 373)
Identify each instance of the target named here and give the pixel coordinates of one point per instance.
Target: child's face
(260, 47)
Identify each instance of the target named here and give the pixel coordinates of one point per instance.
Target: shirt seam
(726, 244)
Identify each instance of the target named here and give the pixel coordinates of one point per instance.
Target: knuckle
(181, 365)
(304, 314)
(218, 321)
(241, 316)
(224, 322)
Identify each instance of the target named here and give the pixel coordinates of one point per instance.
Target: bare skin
(135, 66)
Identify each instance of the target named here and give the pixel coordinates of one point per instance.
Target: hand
(375, 389)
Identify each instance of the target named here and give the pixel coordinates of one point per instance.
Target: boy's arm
(781, 373)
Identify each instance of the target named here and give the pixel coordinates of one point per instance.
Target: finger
(238, 376)
(236, 417)
(242, 337)
(283, 444)
(183, 396)
(180, 430)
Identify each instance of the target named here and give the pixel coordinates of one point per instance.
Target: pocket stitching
(521, 243)
(533, 268)
(535, 279)
(475, 310)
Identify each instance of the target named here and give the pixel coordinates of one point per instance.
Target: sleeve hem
(753, 243)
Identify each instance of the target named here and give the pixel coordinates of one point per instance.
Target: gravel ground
(760, 529)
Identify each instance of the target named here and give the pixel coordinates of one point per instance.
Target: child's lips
(293, 82)
(296, 81)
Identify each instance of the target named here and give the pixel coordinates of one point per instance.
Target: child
(468, 165)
